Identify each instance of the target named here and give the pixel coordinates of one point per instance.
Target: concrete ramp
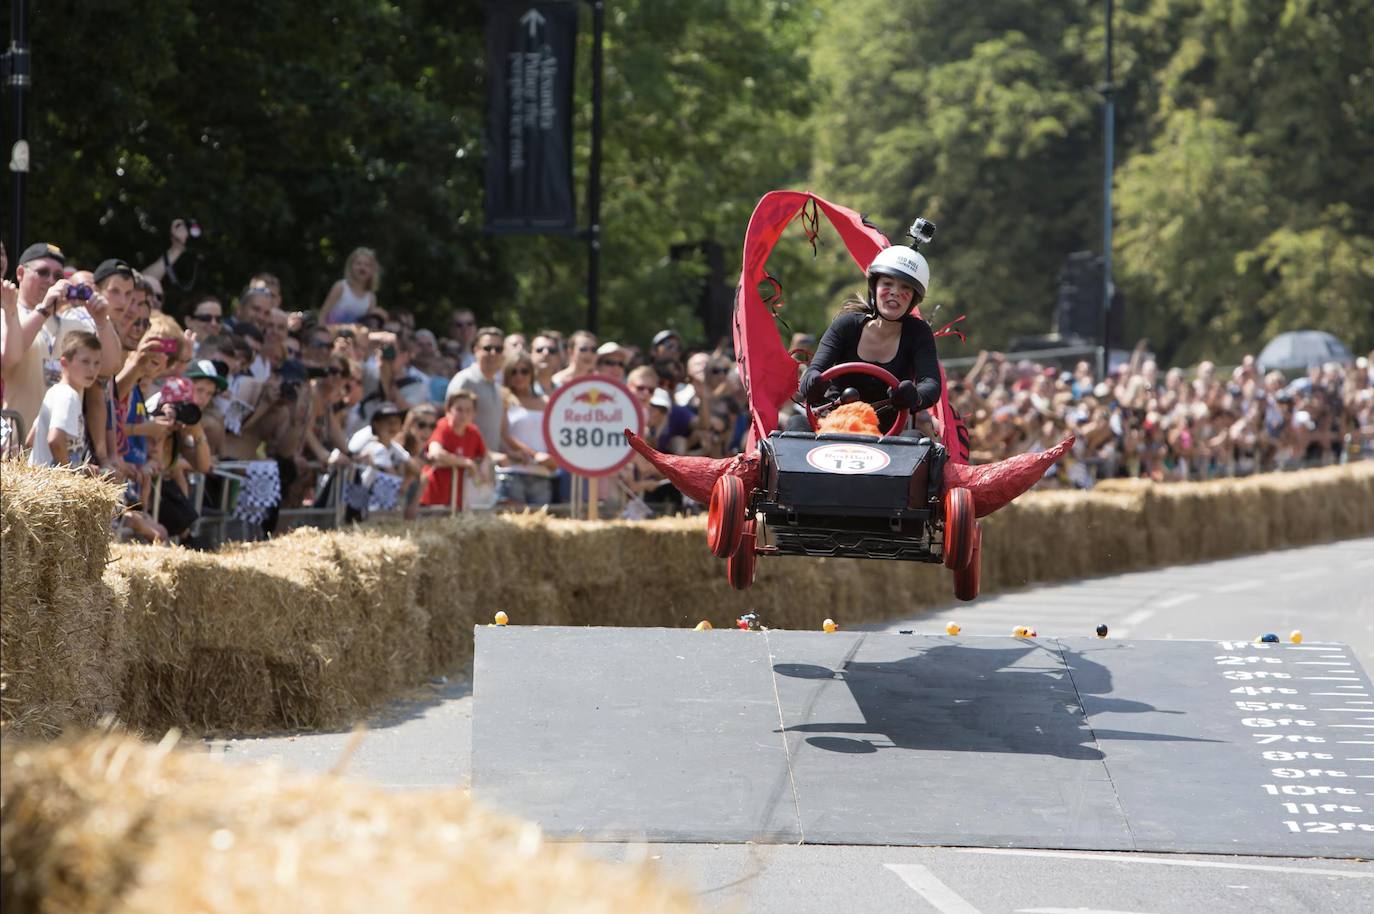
(622, 734)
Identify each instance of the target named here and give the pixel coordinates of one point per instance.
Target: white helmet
(903, 264)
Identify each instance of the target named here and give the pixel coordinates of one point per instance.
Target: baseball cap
(661, 398)
(112, 267)
(41, 250)
(204, 368)
(608, 349)
(664, 335)
(387, 411)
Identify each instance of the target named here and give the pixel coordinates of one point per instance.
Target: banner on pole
(529, 186)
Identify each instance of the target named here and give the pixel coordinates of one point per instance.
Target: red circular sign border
(548, 415)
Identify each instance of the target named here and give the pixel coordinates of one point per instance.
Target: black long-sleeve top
(916, 359)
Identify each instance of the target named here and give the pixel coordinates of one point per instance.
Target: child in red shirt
(455, 447)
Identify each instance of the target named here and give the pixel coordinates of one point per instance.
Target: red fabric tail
(994, 485)
(695, 476)
(769, 373)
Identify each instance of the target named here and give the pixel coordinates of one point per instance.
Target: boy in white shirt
(59, 434)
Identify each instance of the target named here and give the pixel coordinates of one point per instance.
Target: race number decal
(847, 459)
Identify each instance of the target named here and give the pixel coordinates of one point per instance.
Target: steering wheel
(864, 368)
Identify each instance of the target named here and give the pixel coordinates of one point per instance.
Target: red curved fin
(994, 485)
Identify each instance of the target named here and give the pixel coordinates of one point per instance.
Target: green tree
(292, 132)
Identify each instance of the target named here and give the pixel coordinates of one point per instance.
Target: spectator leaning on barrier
(58, 437)
(455, 448)
(529, 483)
(483, 380)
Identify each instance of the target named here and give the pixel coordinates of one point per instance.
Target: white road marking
(1331, 679)
(1356, 742)
(1237, 586)
(1350, 711)
(1177, 601)
(1137, 617)
(1071, 911)
(1346, 695)
(1331, 663)
(936, 893)
(1164, 861)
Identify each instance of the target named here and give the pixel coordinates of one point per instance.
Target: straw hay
(60, 650)
(315, 629)
(304, 631)
(106, 823)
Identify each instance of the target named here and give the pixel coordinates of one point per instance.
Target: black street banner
(529, 124)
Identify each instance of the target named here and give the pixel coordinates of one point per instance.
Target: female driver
(882, 331)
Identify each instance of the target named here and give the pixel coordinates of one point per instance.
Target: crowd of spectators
(1141, 422)
(349, 405)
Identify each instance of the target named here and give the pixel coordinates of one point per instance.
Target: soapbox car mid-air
(847, 495)
(837, 494)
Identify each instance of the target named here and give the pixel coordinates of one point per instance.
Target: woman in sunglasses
(525, 483)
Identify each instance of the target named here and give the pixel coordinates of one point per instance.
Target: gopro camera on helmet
(922, 231)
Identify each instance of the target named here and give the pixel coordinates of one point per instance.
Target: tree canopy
(294, 132)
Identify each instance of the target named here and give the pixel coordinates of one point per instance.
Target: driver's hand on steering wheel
(905, 396)
(813, 387)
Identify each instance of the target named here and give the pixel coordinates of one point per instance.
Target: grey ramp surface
(675, 735)
(631, 734)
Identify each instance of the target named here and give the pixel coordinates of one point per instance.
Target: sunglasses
(334, 371)
(717, 371)
(425, 426)
(47, 274)
(142, 323)
(208, 318)
(515, 371)
(545, 350)
(586, 349)
(491, 348)
(611, 363)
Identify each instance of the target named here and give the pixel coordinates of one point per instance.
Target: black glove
(905, 396)
(813, 387)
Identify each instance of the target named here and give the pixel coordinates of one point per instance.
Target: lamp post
(594, 169)
(17, 81)
(1108, 142)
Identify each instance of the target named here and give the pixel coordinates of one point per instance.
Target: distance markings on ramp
(1311, 783)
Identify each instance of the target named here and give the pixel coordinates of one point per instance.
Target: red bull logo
(593, 397)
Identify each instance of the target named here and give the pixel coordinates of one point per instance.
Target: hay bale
(106, 823)
(61, 650)
(309, 630)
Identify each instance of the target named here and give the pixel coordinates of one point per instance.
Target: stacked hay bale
(61, 634)
(303, 631)
(106, 823)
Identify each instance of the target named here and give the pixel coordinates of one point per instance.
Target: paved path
(1326, 591)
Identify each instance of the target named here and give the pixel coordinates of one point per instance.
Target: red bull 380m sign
(585, 424)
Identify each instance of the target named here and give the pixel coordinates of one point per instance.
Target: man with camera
(43, 291)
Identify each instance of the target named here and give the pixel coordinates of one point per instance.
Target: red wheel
(966, 582)
(739, 567)
(725, 516)
(864, 368)
(959, 527)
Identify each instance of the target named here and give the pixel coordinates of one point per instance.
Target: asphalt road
(1327, 592)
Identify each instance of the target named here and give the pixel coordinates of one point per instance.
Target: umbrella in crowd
(1299, 350)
